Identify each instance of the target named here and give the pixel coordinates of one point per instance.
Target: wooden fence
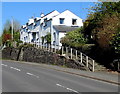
(68, 53)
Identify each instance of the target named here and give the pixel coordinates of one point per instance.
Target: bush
(74, 38)
(8, 43)
(19, 43)
(26, 45)
(85, 48)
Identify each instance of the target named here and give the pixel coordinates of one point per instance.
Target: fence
(68, 52)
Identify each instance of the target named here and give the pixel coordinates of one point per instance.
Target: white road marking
(15, 68)
(4, 65)
(32, 74)
(67, 88)
(72, 90)
(29, 73)
(60, 85)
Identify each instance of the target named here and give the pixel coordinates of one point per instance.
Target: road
(22, 77)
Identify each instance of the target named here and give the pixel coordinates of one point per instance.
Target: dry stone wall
(31, 54)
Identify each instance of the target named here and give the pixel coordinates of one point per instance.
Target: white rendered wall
(24, 34)
(55, 20)
(61, 34)
(49, 16)
(52, 34)
(46, 29)
(68, 19)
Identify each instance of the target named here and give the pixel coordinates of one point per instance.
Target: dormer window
(74, 21)
(45, 19)
(62, 20)
(45, 22)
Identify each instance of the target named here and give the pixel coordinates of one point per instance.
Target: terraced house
(55, 23)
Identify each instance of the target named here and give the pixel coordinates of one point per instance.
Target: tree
(103, 23)
(0, 38)
(8, 25)
(74, 38)
(7, 32)
(116, 42)
(48, 38)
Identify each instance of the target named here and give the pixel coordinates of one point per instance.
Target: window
(54, 35)
(24, 38)
(45, 23)
(74, 21)
(34, 36)
(53, 42)
(61, 20)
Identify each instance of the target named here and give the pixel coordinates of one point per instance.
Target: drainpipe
(40, 29)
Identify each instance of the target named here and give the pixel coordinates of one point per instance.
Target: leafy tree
(7, 32)
(48, 38)
(16, 36)
(43, 39)
(116, 42)
(74, 38)
(102, 27)
(6, 37)
(0, 40)
(109, 26)
(8, 26)
(103, 22)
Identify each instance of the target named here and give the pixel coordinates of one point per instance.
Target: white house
(54, 22)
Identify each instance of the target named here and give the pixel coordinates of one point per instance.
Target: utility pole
(12, 29)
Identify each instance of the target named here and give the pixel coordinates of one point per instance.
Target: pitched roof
(23, 26)
(65, 28)
(48, 13)
(67, 11)
(36, 18)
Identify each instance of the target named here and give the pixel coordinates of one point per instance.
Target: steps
(99, 67)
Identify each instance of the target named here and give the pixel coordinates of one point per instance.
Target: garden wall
(32, 54)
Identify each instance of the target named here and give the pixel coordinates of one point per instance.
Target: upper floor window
(45, 22)
(35, 25)
(62, 20)
(74, 21)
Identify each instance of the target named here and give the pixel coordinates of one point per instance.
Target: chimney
(32, 17)
(42, 14)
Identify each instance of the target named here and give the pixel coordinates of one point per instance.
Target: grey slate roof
(65, 28)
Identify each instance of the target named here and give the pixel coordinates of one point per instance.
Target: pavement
(45, 77)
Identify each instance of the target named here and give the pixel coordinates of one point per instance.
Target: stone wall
(32, 54)
(6, 53)
(10, 53)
